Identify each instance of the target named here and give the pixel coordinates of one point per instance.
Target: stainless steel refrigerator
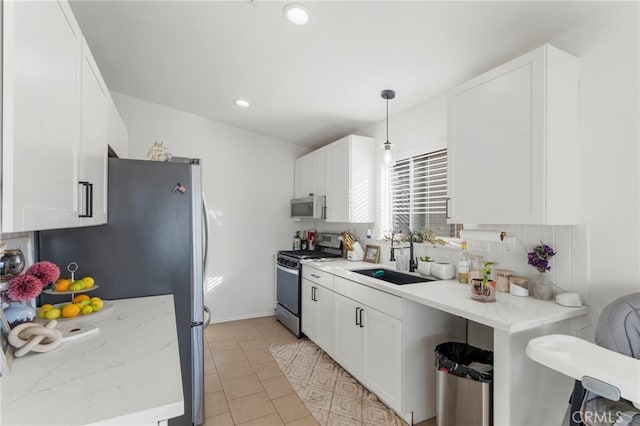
(155, 242)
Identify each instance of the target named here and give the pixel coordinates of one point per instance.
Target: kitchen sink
(393, 277)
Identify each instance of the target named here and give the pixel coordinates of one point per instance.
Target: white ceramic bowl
(424, 268)
(443, 270)
(516, 290)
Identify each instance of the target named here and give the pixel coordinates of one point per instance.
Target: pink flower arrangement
(24, 287)
(29, 285)
(46, 272)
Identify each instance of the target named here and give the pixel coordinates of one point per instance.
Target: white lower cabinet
(317, 314)
(384, 341)
(348, 335)
(369, 345)
(382, 355)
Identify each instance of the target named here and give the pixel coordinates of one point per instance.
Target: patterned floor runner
(328, 391)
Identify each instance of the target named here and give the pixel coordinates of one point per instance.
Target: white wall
(247, 181)
(609, 136)
(600, 258)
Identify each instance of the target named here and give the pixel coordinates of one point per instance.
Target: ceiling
(312, 84)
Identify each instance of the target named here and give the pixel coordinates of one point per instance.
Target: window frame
(404, 155)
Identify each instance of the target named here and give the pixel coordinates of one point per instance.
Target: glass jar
(475, 264)
(483, 292)
(502, 280)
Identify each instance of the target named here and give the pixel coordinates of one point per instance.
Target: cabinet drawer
(379, 300)
(317, 276)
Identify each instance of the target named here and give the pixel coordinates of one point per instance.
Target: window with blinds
(419, 194)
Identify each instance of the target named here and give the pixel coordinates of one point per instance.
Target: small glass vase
(19, 313)
(542, 287)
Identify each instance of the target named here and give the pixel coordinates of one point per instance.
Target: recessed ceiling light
(297, 14)
(242, 103)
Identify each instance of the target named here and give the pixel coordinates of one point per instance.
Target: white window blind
(419, 194)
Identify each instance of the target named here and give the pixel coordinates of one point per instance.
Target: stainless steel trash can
(462, 402)
(464, 393)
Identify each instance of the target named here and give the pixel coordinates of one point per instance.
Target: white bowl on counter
(424, 268)
(516, 290)
(443, 270)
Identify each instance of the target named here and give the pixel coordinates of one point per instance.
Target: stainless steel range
(289, 278)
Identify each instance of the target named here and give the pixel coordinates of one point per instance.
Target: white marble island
(126, 374)
(525, 393)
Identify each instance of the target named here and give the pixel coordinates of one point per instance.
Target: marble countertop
(508, 313)
(127, 373)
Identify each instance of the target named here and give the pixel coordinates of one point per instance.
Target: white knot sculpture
(34, 337)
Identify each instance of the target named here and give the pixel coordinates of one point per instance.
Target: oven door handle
(288, 270)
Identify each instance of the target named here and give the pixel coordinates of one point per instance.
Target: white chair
(607, 374)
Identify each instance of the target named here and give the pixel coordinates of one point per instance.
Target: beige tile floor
(243, 384)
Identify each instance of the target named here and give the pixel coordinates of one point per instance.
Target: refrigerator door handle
(205, 215)
(208, 319)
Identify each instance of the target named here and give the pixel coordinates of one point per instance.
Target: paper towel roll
(357, 253)
(482, 235)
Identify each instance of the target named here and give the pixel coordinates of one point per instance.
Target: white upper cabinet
(303, 184)
(311, 174)
(319, 186)
(93, 147)
(55, 114)
(512, 143)
(41, 92)
(350, 180)
(117, 135)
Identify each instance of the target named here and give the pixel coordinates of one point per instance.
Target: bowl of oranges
(81, 306)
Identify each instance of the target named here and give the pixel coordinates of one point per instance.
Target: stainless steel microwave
(308, 208)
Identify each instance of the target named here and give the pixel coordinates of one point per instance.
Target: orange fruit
(79, 298)
(70, 311)
(62, 284)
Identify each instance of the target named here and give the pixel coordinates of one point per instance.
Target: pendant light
(387, 94)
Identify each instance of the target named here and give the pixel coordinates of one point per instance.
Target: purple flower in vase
(539, 257)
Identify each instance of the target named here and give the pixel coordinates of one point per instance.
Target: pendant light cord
(387, 120)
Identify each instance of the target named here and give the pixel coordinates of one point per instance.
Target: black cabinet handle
(360, 324)
(357, 311)
(313, 294)
(88, 199)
